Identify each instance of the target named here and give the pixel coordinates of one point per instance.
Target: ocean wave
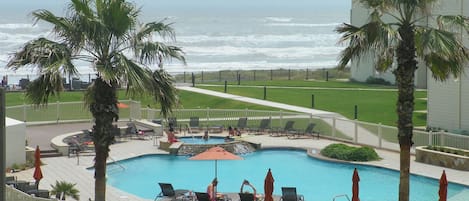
(258, 38)
(279, 19)
(85, 71)
(304, 24)
(17, 26)
(286, 52)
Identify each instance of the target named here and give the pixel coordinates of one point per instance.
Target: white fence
(353, 131)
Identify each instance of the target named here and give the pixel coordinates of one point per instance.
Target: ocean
(214, 34)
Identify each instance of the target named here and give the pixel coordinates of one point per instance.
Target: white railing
(352, 131)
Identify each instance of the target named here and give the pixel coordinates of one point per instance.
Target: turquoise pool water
(315, 179)
(199, 140)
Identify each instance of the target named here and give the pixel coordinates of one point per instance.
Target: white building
(16, 142)
(448, 102)
(361, 71)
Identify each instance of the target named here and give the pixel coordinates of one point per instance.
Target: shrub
(376, 80)
(348, 153)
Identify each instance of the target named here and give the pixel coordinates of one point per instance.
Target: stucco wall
(16, 144)
(16, 195)
(365, 68)
(448, 102)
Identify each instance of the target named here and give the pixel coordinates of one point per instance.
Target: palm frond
(157, 52)
(48, 56)
(163, 30)
(136, 76)
(453, 22)
(119, 17)
(163, 91)
(374, 37)
(46, 85)
(442, 52)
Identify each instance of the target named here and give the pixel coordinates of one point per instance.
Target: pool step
(461, 196)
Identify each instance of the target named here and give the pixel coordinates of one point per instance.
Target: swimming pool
(315, 179)
(199, 140)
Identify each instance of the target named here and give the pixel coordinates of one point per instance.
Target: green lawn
(188, 100)
(307, 83)
(373, 106)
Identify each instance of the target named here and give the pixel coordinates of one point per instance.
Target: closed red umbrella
(268, 186)
(443, 191)
(37, 166)
(355, 180)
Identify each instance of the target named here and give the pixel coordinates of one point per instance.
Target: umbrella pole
(216, 168)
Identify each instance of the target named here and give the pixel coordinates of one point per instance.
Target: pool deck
(74, 170)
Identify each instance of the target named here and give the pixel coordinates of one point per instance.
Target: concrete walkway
(261, 102)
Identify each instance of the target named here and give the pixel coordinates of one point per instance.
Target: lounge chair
(167, 190)
(174, 123)
(132, 130)
(289, 194)
(286, 129)
(246, 197)
(202, 196)
(309, 131)
(242, 123)
(10, 178)
(264, 125)
(194, 124)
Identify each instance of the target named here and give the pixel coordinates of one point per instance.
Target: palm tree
(63, 189)
(106, 34)
(405, 36)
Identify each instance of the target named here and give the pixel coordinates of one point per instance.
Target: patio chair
(202, 196)
(246, 197)
(289, 194)
(167, 190)
(116, 132)
(194, 124)
(132, 130)
(174, 123)
(286, 129)
(242, 123)
(27, 186)
(264, 125)
(309, 131)
(10, 178)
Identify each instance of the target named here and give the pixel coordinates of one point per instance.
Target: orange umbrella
(355, 180)
(122, 105)
(268, 186)
(443, 191)
(37, 165)
(216, 153)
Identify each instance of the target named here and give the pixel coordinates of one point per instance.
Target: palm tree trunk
(105, 111)
(405, 103)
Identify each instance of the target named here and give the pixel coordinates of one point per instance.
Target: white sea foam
(17, 26)
(304, 24)
(279, 19)
(285, 52)
(257, 38)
